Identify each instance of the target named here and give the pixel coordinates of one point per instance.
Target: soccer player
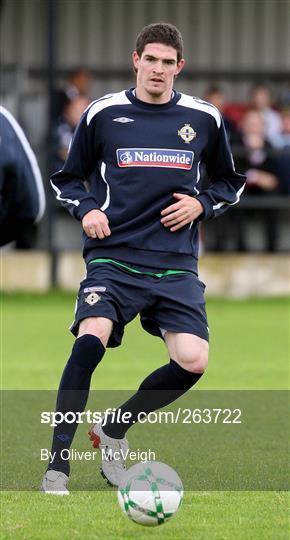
(22, 196)
(143, 149)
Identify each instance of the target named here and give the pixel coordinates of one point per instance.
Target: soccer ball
(150, 493)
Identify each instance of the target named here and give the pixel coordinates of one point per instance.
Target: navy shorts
(174, 303)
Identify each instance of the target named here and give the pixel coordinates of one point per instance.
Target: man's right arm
(68, 183)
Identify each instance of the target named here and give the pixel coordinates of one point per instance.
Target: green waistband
(135, 271)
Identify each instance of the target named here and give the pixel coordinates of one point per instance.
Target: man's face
(156, 69)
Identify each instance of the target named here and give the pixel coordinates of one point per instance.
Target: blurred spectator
(281, 158)
(252, 154)
(284, 97)
(261, 99)
(22, 198)
(254, 157)
(217, 97)
(65, 128)
(283, 138)
(78, 84)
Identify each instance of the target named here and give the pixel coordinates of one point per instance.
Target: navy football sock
(159, 389)
(73, 393)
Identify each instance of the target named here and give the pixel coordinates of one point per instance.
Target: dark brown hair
(165, 33)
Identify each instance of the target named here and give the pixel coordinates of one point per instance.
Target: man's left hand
(179, 214)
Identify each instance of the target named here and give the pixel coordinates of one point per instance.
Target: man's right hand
(96, 224)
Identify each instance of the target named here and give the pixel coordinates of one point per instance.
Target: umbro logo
(123, 120)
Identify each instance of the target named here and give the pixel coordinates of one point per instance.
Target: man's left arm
(226, 185)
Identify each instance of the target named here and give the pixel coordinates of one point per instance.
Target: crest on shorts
(92, 298)
(187, 133)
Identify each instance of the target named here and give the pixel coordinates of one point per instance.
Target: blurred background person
(77, 85)
(281, 158)
(215, 95)
(22, 197)
(253, 153)
(261, 99)
(283, 137)
(65, 128)
(254, 156)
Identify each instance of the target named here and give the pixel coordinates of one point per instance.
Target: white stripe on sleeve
(31, 158)
(59, 198)
(220, 204)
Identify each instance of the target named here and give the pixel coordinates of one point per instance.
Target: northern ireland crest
(92, 298)
(187, 133)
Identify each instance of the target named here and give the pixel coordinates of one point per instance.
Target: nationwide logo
(155, 157)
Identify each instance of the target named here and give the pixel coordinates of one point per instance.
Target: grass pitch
(249, 350)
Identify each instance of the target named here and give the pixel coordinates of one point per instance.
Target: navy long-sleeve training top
(137, 155)
(22, 196)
